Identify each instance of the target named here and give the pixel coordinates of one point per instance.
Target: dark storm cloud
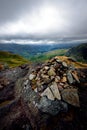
(70, 20)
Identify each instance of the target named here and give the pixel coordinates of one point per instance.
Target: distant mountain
(79, 52)
(10, 59)
(32, 50)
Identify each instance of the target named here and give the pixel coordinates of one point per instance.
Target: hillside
(11, 60)
(79, 52)
(30, 50)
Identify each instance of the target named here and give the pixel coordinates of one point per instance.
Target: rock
(64, 64)
(65, 74)
(37, 78)
(30, 95)
(31, 76)
(60, 87)
(26, 82)
(55, 91)
(51, 72)
(62, 84)
(47, 92)
(70, 77)
(52, 107)
(47, 80)
(57, 79)
(58, 61)
(44, 72)
(52, 60)
(38, 68)
(72, 67)
(64, 79)
(75, 76)
(40, 102)
(44, 76)
(66, 86)
(71, 96)
(72, 59)
(4, 82)
(46, 67)
(40, 88)
(52, 77)
(35, 90)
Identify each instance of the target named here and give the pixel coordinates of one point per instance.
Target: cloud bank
(43, 21)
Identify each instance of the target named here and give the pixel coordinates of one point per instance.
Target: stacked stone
(56, 80)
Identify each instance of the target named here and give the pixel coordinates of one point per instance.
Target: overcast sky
(43, 21)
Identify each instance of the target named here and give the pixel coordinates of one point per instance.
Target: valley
(30, 50)
(42, 85)
(15, 55)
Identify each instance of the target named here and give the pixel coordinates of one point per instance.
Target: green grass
(12, 60)
(48, 55)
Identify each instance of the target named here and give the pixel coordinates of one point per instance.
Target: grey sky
(43, 20)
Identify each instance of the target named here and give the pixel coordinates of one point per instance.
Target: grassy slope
(12, 60)
(47, 55)
(79, 52)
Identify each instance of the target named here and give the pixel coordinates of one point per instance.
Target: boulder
(70, 78)
(75, 76)
(52, 107)
(55, 91)
(47, 92)
(71, 96)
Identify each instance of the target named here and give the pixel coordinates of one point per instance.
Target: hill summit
(42, 93)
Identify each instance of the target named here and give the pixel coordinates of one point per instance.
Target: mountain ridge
(31, 50)
(79, 52)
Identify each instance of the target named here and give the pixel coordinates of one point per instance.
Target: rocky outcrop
(52, 107)
(71, 96)
(53, 79)
(41, 97)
